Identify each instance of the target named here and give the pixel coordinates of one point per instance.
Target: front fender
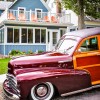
(65, 80)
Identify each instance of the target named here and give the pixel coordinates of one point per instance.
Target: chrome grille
(12, 82)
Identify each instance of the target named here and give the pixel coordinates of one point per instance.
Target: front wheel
(43, 91)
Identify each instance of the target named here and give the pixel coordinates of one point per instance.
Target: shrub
(16, 52)
(40, 51)
(29, 52)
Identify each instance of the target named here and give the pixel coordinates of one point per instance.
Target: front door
(87, 57)
(53, 37)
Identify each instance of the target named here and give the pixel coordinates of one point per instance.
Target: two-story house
(30, 25)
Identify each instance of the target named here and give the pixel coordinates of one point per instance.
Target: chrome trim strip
(78, 91)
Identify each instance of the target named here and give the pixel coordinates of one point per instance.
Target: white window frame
(21, 8)
(13, 35)
(20, 33)
(36, 12)
(40, 35)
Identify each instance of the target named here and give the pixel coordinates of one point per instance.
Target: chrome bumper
(9, 93)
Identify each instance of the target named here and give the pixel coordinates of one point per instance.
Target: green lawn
(3, 65)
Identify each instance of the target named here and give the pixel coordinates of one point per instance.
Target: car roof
(85, 32)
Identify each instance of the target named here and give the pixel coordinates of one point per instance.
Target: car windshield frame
(72, 42)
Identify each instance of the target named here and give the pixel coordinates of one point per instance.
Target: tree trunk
(58, 6)
(81, 24)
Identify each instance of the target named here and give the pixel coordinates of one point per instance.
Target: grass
(3, 65)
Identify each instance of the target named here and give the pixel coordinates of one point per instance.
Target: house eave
(9, 22)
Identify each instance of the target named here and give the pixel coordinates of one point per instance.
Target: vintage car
(72, 67)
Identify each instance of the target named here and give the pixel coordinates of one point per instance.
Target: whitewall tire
(43, 91)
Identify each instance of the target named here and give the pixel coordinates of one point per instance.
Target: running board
(79, 91)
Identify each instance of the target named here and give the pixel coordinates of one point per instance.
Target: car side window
(90, 44)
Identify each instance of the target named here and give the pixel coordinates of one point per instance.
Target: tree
(81, 8)
(58, 6)
(45, 0)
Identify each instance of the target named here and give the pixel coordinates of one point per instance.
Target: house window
(72, 30)
(30, 35)
(2, 36)
(21, 10)
(2, 32)
(62, 32)
(38, 13)
(16, 35)
(48, 36)
(40, 35)
(12, 35)
(43, 36)
(27, 35)
(54, 38)
(24, 35)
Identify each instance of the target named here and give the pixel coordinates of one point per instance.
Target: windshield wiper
(69, 47)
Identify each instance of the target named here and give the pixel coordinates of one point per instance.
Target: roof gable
(32, 2)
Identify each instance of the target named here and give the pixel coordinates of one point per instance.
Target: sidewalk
(2, 78)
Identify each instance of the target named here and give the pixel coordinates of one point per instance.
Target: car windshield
(66, 45)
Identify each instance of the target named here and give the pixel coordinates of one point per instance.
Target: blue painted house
(29, 25)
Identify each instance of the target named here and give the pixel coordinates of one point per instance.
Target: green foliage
(89, 6)
(71, 4)
(40, 51)
(16, 52)
(3, 65)
(29, 52)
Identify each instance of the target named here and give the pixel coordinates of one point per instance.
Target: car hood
(51, 59)
(42, 58)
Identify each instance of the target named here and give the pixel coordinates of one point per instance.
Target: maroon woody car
(72, 67)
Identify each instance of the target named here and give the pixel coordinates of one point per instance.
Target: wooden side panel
(89, 61)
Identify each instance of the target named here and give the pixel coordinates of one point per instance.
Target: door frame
(50, 44)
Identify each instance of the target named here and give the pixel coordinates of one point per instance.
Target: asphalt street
(89, 95)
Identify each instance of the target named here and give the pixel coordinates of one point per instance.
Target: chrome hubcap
(41, 91)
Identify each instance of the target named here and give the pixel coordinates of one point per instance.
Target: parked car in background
(72, 67)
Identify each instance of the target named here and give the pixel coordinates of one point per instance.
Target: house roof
(40, 0)
(4, 5)
(89, 18)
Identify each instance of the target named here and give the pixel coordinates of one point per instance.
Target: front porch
(25, 36)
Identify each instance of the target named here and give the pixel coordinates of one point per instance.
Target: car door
(87, 57)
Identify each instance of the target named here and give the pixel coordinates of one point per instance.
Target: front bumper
(9, 92)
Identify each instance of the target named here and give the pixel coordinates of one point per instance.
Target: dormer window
(21, 13)
(21, 10)
(38, 13)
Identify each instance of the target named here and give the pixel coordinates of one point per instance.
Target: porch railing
(35, 16)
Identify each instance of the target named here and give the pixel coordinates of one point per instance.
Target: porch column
(30, 14)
